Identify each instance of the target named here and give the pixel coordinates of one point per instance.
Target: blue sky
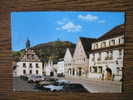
(42, 27)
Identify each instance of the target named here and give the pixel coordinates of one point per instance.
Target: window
(100, 69)
(96, 46)
(73, 71)
(24, 71)
(101, 45)
(37, 66)
(111, 55)
(104, 44)
(107, 55)
(32, 56)
(95, 69)
(30, 65)
(118, 70)
(24, 64)
(120, 52)
(90, 69)
(30, 71)
(109, 43)
(119, 41)
(113, 42)
(84, 59)
(99, 57)
(93, 58)
(36, 71)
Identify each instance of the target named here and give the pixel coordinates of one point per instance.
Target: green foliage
(17, 55)
(45, 51)
(54, 50)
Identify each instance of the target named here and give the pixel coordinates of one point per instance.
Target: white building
(68, 61)
(49, 69)
(81, 57)
(106, 58)
(60, 67)
(29, 64)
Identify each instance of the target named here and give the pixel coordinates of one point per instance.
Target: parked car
(60, 75)
(35, 79)
(74, 87)
(23, 77)
(63, 81)
(53, 87)
(46, 81)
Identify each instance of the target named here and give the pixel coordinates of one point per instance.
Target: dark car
(60, 75)
(74, 87)
(46, 81)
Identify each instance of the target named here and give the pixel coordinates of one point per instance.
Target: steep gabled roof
(30, 56)
(116, 31)
(87, 43)
(72, 51)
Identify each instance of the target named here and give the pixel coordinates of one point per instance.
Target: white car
(64, 81)
(35, 78)
(54, 87)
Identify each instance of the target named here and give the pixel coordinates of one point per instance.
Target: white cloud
(102, 21)
(63, 21)
(70, 27)
(88, 17)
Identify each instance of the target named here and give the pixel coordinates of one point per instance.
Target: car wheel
(54, 91)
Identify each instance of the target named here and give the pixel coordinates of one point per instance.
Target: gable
(68, 54)
(79, 51)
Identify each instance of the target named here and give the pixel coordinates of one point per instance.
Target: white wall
(20, 68)
(114, 64)
(60, 67)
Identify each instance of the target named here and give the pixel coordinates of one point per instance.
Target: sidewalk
(94, 86)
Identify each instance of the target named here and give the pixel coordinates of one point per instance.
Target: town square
(90, 64)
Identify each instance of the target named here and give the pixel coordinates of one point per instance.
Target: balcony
(99, 59)
(109, 58)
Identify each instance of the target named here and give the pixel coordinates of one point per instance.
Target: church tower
(27, 44)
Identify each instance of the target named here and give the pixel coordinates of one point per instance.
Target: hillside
(45, 51)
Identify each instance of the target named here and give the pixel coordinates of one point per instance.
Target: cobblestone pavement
(93, 86)
(102, 86)
(21, 85)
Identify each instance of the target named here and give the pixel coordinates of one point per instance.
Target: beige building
(99, 58)
(49, 69)
(80, 61)
(68, 62)
(30, 64)
(106, 57)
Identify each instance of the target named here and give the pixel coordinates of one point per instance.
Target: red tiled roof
(116, 31)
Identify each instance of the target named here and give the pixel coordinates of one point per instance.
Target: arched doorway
(80, 71)
(109, 74)
(51, 73)
(73, 72)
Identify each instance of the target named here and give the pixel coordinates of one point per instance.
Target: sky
(43, 27)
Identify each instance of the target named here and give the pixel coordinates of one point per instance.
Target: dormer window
(96, 46)
(113, 42)
(104, 44)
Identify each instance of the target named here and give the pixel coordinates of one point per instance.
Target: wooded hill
(52, 50)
